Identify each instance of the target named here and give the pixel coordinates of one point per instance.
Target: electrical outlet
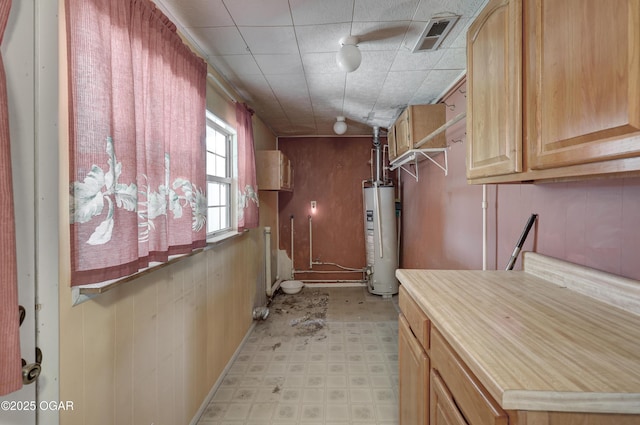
(313, 205)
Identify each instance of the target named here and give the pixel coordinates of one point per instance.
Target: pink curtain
(137, 139)
(10, 366)
(247, 186)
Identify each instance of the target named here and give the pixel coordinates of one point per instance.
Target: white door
(30, 52)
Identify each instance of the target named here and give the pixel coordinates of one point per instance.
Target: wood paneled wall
(330, 171)
(151, 350)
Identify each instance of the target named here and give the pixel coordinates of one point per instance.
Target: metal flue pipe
(378, 150)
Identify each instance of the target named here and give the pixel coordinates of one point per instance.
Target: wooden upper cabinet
(582, 81)
(494, 79)
(391, 142)
(403, 131)
(273, 171)
(414, 124)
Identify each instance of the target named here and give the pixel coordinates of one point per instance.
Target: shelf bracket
(444, 167)
(413, 156)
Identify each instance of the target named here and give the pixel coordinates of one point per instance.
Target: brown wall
(330, 171)
(593, 222)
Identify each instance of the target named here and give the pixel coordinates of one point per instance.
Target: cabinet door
(494, 82)
(403, 133)
(583, 81)
(413, 376)
(273, 171)
(391, 141)
(285, 173)
(443, 409)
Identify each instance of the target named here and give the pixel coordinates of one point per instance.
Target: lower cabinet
(471, 400)
(436, 387)
(443, 409)
(413, 377)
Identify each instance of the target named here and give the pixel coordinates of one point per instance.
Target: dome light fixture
(349, 56)
(340, 126)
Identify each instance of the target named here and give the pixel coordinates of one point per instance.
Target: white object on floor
(291, 286)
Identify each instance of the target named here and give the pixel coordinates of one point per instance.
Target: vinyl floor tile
(325, 356)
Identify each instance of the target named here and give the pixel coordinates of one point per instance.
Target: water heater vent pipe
(378, 150)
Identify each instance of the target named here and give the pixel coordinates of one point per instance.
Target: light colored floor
(324, 356)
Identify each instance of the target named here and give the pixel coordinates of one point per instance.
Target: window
(221, 173)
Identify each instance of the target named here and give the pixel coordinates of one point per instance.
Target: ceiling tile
(384, 10)
(291, 91)
(279, 64)
(220, 41)
(380, 35)
(256, 85)
(320, 63)
(289, 75)
(453, 59)
(307, 12)
(434, 86)
(321, 38)
(375, 61)
(460, 40)
(357, 110)
(398, 87)
(264, 13)
(420, 61)
(430, 8)
(270, 40)
(327, 85)
(200, 13)
(365, 88)
(235, 64)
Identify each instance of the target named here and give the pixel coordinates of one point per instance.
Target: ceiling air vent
(435, 32)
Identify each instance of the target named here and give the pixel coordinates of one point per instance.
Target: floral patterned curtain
(247, 185)
(10, 367)
(137, 139)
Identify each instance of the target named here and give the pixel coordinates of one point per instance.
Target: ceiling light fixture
(340, 126)
(349, 56)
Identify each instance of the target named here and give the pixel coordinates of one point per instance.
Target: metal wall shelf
(413, 156)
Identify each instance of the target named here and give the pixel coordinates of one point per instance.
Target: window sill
(218, 239)
(82, 293)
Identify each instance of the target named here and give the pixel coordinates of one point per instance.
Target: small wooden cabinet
(414, 124)
(553, 90)
(273, 171)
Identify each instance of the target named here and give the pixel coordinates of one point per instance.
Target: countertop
(535, 344)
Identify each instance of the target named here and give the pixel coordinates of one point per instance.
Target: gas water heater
(381, 241)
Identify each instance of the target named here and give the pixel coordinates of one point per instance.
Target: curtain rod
(217, 82)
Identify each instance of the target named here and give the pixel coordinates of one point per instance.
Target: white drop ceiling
(280, 56)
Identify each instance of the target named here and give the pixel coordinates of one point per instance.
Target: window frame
(217, 124)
